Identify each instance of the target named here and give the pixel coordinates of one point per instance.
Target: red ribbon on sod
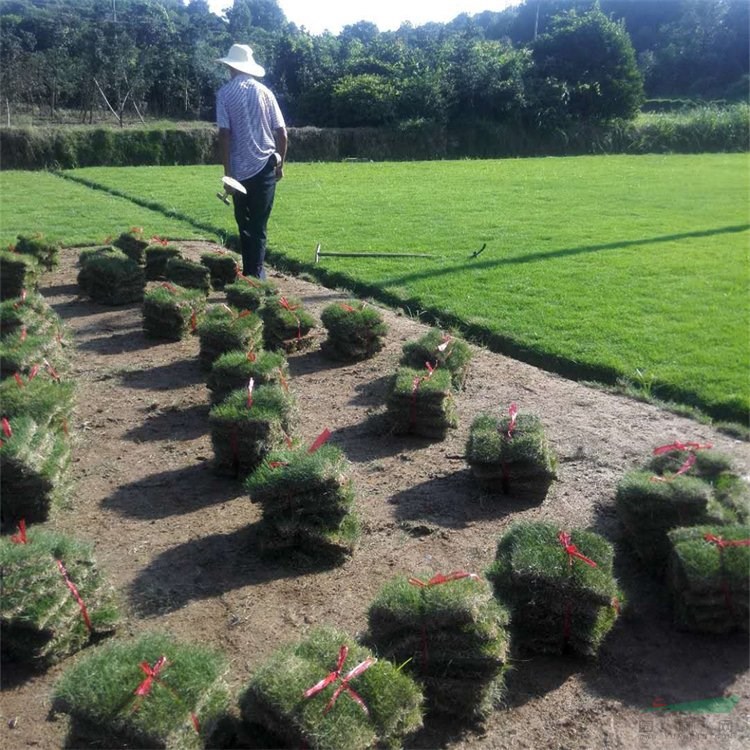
(572, 551)
(345, 680)
(415, 387)
(345, 307)
(686, 466)
(722, 544)
(284, 302)
(439, 578)
(7, 431)
(76, 595)
(678, 446)
(446, 340)
(20, 537)
(321, 440)
(513, 414)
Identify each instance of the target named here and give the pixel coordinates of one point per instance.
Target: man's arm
(224, 141)
(281, 140)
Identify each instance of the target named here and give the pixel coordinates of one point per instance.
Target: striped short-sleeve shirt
(249, 110)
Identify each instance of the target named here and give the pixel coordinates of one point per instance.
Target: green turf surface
(632, 267)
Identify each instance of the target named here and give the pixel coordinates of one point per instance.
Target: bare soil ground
(178, 542)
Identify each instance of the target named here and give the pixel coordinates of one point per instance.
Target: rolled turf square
(188, 274)
(224, 330)
(133, 244)
(441, 350)
(329, 693)
(171, 311)
(559, 586)
(31, 312)
(157, 257)
(111, 277)
(44, 251)
(246, 293)
(709, 578)
(148, 692)
(223, 265)
(48, 402)
(233, 370)
(23, 350)
(53, 600)
(356, 330)
(286, 324)
(18, 272)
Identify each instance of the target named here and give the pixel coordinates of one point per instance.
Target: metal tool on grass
(320, 254)
(230, 182)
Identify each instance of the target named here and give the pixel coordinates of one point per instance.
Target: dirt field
(178, 542)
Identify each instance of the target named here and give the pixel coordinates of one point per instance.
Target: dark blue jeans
(251, 212)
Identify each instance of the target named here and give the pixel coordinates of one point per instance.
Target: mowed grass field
(615, 267)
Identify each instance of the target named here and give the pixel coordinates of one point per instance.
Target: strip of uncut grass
(629, 267)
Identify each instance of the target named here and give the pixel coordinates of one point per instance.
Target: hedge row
(706, 129)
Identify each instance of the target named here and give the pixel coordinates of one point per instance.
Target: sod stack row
(356, 331)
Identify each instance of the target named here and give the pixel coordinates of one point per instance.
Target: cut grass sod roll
(233, 370)
(421, 403)
(33, 470)
(450, 633)
(559, 586)
(441, 350)
(708, 578)
(223, 266)
(18, 272)
(356, 331)
(329, 693)
(246, 293)
(308, 499)
(54, 599)
(287, 324)
(23, 350)
(30, 311)
(48, 402)
(171, 311)
(157, 257)
(247, 426)
(225, 330)
(510, 448)
(133, 244)
(111, 278)
(147, 692)
(188, 274)
(44, 251)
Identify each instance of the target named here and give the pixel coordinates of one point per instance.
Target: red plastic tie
(33, 373)
(722, 544)
(24, 334)
(345, 307)
(446, 340)
(572, 551)
(20, 537)
(7, 431)
(19, 380)
(321, 440)
(415, 387)
(335, 676)
(291, 308)
(678, 446)
(686, 466)
(76, 595)
(513, 413)
(251, 356)
(439, 578)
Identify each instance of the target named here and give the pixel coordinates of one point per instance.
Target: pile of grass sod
(171, 312)
(365, 702)
(19, 272)
(34, 462)
(225, 330)
(559, 602)
(157, 257)
(133, 244)
(110, 277)
(47, 401)
(233, 370)
(451, 634)
(421, 403)
(30, 312)
(41, 616)
(708, 578)
(223, 267)
(501, 450)
(308, 502)
(247, 293)
(188, 274)
(147, 692)
(287, 324)
(356, 331)
(246, 427)
(45, 252)
(441, 350)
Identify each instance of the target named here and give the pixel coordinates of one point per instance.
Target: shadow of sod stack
(682, 485)
(559, 587)
(224, 330)
(42, 619)
(110, 277)
(356, 331)
(171, 311)
(450, 633)
(308, 503)
(147, 692)
(327, 692)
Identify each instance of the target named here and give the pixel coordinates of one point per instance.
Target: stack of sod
(48, 402)
(157, 257)
(18, 272)
(170, 311)
(233, 370)
(149, 692)
(708, 578)
(110, 277)
(286, 324)
(356, 331)
(133, 244)
(54, 598)
(23, 350)
(558, 585)
(45, 252)
(30, 312)
(451, 634)
(188, 274)
(223, 266)
(508, 448)
(440, 350)
(247, 426)
(33, 467)
(308, 499)
(246, 293)
(422, 403)
(224, 330)
(329, 693)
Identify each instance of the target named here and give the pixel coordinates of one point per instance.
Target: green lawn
(621, 266)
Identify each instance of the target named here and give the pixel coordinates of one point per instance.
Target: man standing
(253, 142)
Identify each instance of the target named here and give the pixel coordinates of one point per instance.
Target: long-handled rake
(320, 254)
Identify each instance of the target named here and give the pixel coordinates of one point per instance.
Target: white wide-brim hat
(240, 57)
